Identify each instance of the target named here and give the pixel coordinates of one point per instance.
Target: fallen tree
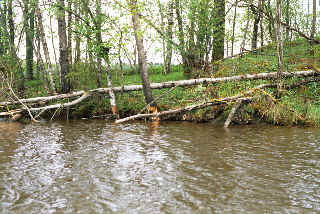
(83, 95)
(162, 85)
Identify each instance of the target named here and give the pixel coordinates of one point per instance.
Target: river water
(92, 166)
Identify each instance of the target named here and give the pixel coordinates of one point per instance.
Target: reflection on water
(98, 167)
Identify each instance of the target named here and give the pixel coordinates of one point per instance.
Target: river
(92, 166)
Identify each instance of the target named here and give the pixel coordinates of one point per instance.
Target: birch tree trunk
(243, 43)
(113, 102)
(45, 49)
(279, 46)
(162, 26)
(171, 84)
(142, 55)
(234, 26)
(181, 34)
(170, 37)
(63, 48)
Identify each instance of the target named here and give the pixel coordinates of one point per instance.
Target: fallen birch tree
(170, 84)
(83, 95)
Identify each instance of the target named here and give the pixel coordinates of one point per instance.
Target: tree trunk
(113, 102)
(234, 26)
(142, 56)
(219, 34)
(314, 19)
(243, 43)
(257, 17)
(279, 47)
(52, 42)
(70, 32)
(181, 34)
(119, 53)
(45, 50)
(162, 27)
(63, 48)
(271, 24)
(77, 38)
(287, 18)
(5, 42)
(99, 40)
(11, 29)
(28, 14)
(170, 37)
(261, 23)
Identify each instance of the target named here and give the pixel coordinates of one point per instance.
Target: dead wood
(169, 84)
(233, 111)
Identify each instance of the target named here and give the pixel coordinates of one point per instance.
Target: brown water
(97, 167)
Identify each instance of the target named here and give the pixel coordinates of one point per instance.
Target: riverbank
(298, 105)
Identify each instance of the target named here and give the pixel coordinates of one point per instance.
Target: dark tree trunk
(11, 29)
(29, 29)
(63, 48)
(219, 33)
(257, 17)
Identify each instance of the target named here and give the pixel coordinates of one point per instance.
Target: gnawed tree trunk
(113, 102)
(142, 56)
